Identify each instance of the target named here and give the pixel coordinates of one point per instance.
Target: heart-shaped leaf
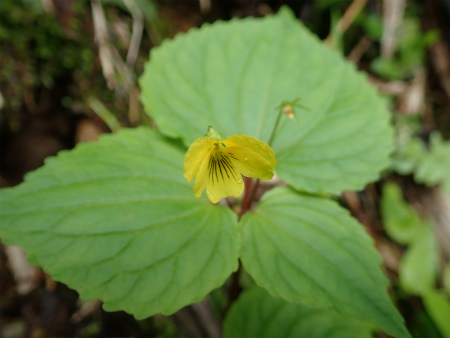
(116, 220)
(233, 76)
(308, 250)
(258, 314)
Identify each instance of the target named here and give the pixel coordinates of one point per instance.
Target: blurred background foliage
(68, 72)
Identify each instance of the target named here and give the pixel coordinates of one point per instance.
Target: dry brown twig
(24, 273)
(440, 55)
(348, 18)
(392, 18)
(359, 50)
(138, 28)
(205, 6)
(198, 320)
(112, 64)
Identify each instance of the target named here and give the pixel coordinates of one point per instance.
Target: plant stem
(250, 190)
(234, 289)
(247, 201)
(275, 127)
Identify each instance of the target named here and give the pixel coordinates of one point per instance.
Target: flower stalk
(286, 108)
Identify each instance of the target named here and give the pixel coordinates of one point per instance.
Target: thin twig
(112, 64)
(347, 19)
(205, 6)
(138, 28)
(392, 18)
(350, 15)
(440, 56)
(359, 50)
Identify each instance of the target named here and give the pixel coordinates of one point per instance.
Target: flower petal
(223, 179)
(253, 158)
(201, 177)
(196, 154)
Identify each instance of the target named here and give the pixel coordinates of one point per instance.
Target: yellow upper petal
(222, 179)
(253, 158)
(198, 152)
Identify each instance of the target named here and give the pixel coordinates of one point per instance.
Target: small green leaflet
(437, 304)
(308, 250)
(400, 220)
(116, 220)
(419, 265)
(435, 167)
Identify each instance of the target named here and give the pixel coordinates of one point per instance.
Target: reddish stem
(235, 289)
(248, 196)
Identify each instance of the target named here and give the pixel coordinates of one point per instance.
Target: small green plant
(411, 52)
(116, 219)
(419, 266)
(430, 164)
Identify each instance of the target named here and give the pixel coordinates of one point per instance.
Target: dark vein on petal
(216, 164)
(229, 167)
(219, 163)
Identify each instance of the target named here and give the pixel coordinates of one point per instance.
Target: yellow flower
(217, 164)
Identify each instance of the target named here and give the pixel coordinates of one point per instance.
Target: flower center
(220, 167)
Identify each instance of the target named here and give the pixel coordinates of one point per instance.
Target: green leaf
(116, 220)
(435, 167)
(257, 314)
(308, 250)
(400, 220)
(372, 24)
(408, 156)
(104, 113)
(232, 75)
(438, 307)
(418, 267)
(446, 278)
